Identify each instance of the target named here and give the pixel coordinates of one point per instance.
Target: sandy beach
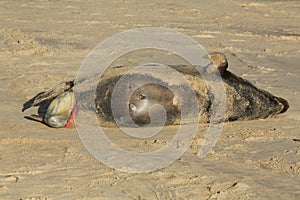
(44, 42)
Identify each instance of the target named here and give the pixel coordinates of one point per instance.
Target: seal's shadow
(42, 108)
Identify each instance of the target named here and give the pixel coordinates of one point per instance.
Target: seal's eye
(141, 97)
(132, 107)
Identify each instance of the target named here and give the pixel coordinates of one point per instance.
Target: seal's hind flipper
(43, 96)
(29, 103)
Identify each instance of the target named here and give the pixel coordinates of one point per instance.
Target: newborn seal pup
(244, 101)
(60, 110)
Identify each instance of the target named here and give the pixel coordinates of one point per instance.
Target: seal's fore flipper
(219, 60)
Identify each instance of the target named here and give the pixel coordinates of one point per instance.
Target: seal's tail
(284, 104)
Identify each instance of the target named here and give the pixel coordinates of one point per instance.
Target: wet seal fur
(244, 100)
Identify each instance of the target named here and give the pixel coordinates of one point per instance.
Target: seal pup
(60, 111)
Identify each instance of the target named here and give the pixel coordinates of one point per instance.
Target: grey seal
(244, 101)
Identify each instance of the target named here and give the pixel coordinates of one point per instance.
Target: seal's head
(145, 100)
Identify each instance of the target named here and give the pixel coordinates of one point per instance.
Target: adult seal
(244, 101)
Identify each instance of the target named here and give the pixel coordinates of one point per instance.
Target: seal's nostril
(142, 96)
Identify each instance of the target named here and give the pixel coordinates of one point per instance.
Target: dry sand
(44, 42)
